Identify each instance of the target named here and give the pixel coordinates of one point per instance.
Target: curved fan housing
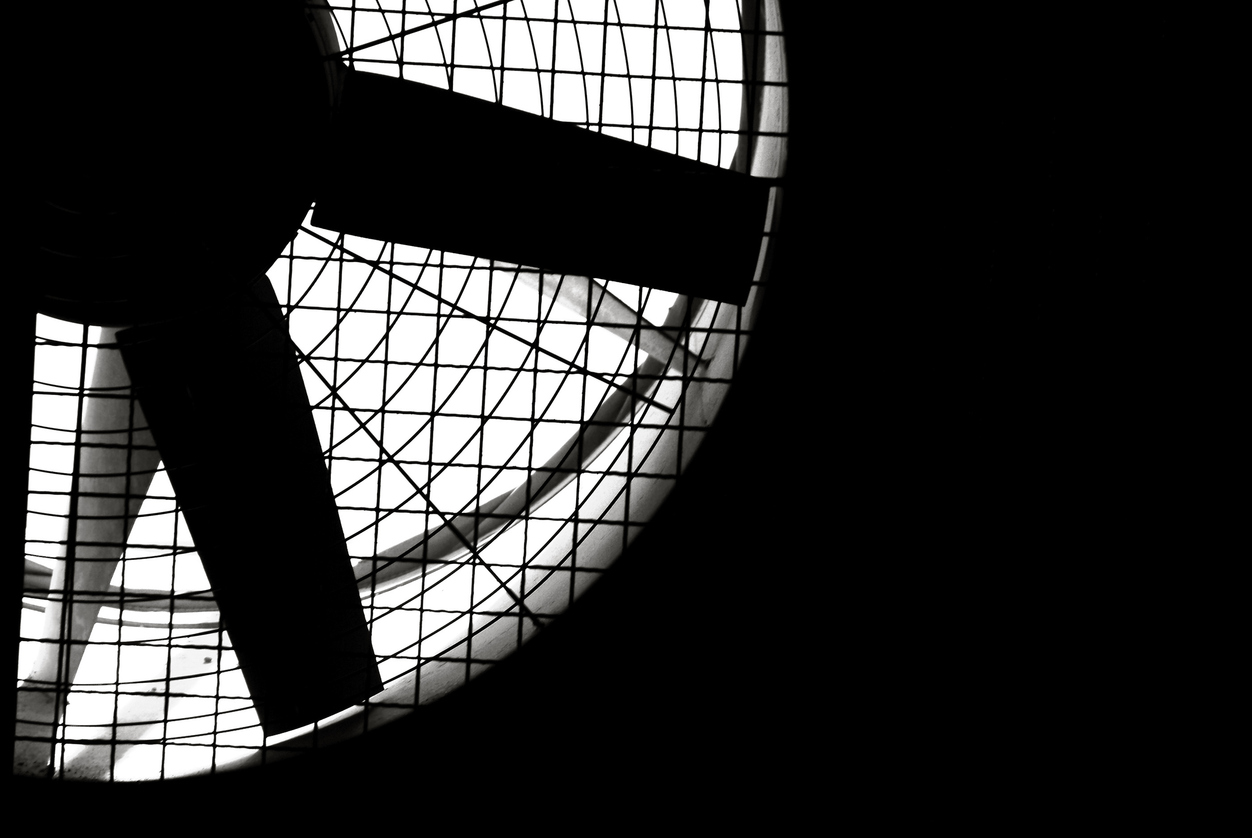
(294, 472)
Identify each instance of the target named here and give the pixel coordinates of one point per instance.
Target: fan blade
(224, 397)
(116, 460)
(503, 184)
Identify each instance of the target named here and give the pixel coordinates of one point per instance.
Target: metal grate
(494, 436)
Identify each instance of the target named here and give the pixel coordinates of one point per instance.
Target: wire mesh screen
(494, 436)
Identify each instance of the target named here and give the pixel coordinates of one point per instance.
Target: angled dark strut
(499, 183)
(228, 409)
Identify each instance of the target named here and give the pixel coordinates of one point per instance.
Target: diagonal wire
(488, 322)
(416, 487)
(477, 10)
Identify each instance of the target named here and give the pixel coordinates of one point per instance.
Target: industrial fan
(390, 438)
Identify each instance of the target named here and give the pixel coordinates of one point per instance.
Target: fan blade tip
(563, 198)
(284, 713)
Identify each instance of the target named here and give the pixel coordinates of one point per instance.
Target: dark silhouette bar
(228, 409)
(437, 169)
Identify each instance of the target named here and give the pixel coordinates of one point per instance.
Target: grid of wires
(493, 435)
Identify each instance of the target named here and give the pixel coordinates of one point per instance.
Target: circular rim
(667, 439)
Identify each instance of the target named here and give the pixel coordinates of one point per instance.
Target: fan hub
(173, 169)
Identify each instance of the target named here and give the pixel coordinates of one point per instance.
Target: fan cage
(495, 437)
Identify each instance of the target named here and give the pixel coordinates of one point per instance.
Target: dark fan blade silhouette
(228, 410)
(164, 195)
(498, 183)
